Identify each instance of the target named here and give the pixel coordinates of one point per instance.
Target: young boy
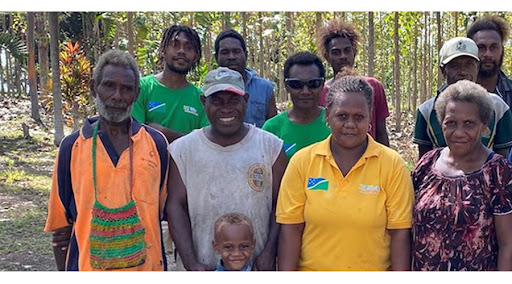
(234, 242)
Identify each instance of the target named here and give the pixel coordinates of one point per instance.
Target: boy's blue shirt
(220, 267)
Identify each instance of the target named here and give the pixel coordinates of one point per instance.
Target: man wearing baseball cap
(458, 60)
(229, 166)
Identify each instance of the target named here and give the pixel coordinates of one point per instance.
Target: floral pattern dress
(454, 216)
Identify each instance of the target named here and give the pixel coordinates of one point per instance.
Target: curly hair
(116, 58)
(333, 29)
(494, 23)
(350, 84)
(172, 32)
(465, 91)
(232, 218)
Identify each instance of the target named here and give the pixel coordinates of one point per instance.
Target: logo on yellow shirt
(318, 184)
(369, 189)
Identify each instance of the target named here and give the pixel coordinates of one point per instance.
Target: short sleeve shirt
(297, 136)
(180, 110)
(454, 215)
(346, 217)
(72, 193)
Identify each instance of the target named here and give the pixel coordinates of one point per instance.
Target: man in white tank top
(229, 166)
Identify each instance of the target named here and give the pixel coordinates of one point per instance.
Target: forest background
(46, 60)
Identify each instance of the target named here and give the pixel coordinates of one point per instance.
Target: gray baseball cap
(223, 79)
(455, 47)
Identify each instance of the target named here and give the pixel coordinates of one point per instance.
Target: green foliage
(147, 56)
(16, 47)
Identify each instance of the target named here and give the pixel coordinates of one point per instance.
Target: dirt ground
(26, 166)
(25, 174)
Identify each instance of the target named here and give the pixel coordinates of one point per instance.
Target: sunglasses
(297, 84)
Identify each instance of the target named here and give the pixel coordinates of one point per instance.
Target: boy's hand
(265, 262)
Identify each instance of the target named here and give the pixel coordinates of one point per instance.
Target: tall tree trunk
(86, 31)
(318, 22)
(207, 48)
(423, 96)
(17, 77)
(191, 19)
(261, 49)
(362, 46)
(42, 50)
(439, 44)
(225, 21)
(430, 55)
(371, 44)
(57, 96)
(456, 23)
(398, 100)
(289, 51)
(97, 39)
(384, 56)
(8, 71)
(32, 81)
(289, 33)
(117, 34)
(244, 25)
(2, 90)
(414, 73)
(129, 28)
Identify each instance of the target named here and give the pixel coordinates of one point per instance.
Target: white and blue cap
(455, 47)
(223, 79)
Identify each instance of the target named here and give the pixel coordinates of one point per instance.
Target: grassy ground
(25, 179)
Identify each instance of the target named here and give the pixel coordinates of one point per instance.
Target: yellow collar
(323, 148)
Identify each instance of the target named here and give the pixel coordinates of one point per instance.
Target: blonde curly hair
(333, 29)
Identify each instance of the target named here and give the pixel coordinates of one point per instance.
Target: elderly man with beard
(109, 179)
(167, 101)
(490, 34)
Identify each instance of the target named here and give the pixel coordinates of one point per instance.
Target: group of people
(215, 175)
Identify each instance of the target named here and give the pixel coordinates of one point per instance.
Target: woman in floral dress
(463, 192)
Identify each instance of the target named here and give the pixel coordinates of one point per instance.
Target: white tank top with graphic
(220, 180)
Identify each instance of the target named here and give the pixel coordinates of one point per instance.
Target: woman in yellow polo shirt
(345, 203)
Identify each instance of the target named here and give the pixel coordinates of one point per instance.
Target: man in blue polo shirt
(231, 52)
(458, 60)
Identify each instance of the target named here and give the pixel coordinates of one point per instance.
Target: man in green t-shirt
(167, 101)
(304, 124)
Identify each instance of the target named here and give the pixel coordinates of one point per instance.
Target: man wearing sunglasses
(338, 42)
(304, 124)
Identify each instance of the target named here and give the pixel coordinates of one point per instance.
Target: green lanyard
(94, 142)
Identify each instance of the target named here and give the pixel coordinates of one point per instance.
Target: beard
(113, 116)
(182, 71)
(486, 73)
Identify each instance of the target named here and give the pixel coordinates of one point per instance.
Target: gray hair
(465, 91)
(117, 58)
